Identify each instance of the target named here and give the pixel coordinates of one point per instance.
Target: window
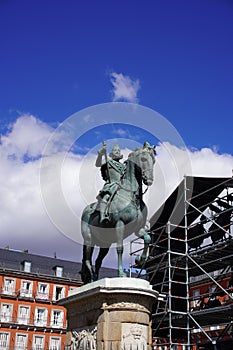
(21, 342)
(196, 298)
(9, 286)
(43, 291)
(57, 318)
(4, 340)
(58, 292)
(6, 312)
(55, 343)
(26, 289)
(59, 271)
(23, 314)
(38, 342)
(41, 316)
(212, 289)
(27, 266)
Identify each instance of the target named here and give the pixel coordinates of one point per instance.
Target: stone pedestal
(109, 314)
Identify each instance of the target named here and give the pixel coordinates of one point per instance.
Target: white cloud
(124, 88)
(172, 165)
(24, 222)
(26, 137)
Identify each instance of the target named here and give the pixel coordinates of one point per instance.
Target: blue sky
(57, 58)
(60, 57)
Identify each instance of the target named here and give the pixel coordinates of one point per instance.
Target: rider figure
(112, 171)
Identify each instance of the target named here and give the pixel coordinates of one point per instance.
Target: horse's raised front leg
(147, 239)
(120, 236)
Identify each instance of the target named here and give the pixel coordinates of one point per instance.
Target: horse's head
(144, 158)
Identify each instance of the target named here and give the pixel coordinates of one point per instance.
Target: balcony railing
(31, 321)
(24, 293)
(42, 296)
(8, 291)
(33, 347)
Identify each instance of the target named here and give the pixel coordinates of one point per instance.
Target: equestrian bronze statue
(120, 210)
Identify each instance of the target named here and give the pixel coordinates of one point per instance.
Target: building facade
(212, 302)
(30, 287)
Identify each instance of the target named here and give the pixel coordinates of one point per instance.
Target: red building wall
(30, 316)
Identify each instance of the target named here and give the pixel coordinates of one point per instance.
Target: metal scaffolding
(191, 241)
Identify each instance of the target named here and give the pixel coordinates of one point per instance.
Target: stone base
(112, 313)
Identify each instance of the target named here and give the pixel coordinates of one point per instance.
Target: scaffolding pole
(167, 261)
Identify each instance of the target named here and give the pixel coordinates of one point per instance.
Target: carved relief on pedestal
(84, 339)
(125, 305)
(134, 336)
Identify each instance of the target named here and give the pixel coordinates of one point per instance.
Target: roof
(201, 191)
(12, 261)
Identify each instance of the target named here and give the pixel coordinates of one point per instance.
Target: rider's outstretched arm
(99, 162)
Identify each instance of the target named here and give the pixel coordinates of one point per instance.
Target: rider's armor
(113, 170)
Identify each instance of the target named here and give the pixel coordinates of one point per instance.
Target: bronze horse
(128, 214)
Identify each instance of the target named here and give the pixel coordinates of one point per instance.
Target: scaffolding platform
(191, 237)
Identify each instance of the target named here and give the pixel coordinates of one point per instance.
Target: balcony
(25, 294)
(29, 295)
(25, 322)
(8, 292)
(42, 296)
(4, 346)
(5, 318)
